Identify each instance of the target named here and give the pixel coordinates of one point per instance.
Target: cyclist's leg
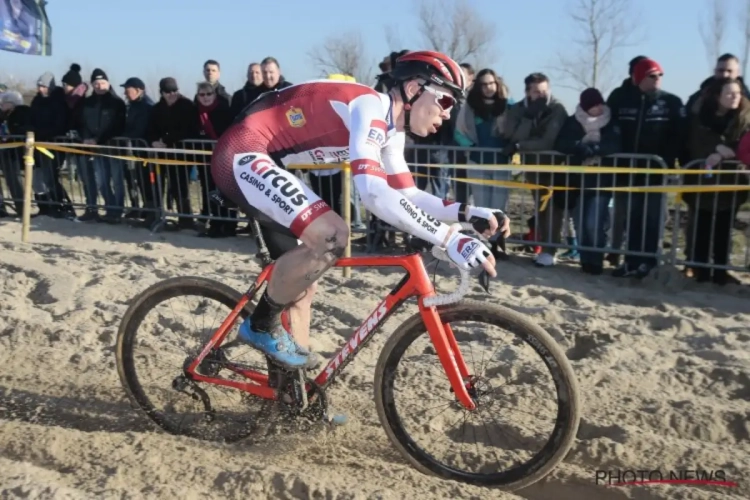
(254, 179)
(278, 242)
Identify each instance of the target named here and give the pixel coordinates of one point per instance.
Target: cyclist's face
(430, 110)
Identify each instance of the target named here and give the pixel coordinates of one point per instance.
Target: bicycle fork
(450, 356)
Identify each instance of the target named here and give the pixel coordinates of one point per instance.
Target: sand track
(664, 373)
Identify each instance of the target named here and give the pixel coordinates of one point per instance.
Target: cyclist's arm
(400, 178)
(370, 177)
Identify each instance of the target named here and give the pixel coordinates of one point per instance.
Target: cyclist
(329, 121)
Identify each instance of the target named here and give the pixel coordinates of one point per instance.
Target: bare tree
(455, 28)
(745, 20)
(602, 27)
(343, 54)
(713, 29)
(393, 38)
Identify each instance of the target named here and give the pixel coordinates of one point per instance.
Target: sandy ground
(663, 368)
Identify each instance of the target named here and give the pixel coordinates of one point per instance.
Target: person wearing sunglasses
(327, 121)
(652, 122)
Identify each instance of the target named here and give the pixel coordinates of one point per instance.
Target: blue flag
(25, 27)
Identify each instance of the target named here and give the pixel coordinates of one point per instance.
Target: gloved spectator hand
(510, 149)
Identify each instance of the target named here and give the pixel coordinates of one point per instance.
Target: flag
(25, 27)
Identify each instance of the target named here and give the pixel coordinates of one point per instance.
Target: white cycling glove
(466, 252)
(481, 212)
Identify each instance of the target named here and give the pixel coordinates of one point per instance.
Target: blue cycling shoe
(282, 349)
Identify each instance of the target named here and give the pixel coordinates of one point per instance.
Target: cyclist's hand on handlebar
(468, 253)
(486, 222)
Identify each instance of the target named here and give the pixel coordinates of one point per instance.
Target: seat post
(263, 254)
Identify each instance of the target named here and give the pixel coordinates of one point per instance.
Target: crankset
(299, 396)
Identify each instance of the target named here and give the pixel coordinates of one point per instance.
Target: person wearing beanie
(589, 136)
(653, 122)
(73, 77)
(103, 118)
(49, 119)
(627, 82)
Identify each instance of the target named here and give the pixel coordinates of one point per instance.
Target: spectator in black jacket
(49, 120)
(75, 91)
(652, 122)
(249, 91)
(727, 66)
(14, 120)
(272, 77)
(619, 216)
(174, 119)
(103, 118)
(137, 115)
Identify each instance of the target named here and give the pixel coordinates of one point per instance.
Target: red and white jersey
(326, 121)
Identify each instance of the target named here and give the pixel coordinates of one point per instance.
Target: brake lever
(484, 280)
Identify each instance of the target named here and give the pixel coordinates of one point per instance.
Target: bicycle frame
(415, 283)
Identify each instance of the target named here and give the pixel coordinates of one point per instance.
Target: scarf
(206, 124)
(486, 108)
(78, 93)
(592, 125)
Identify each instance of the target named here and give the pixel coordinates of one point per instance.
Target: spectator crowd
(640, 124)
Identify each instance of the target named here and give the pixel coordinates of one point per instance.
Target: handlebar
(463, 287)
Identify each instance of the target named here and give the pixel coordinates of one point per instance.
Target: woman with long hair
(480, 124)
(719, 120)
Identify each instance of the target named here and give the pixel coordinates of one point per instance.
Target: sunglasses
(205, 94)
(442, 99)
(655, 76)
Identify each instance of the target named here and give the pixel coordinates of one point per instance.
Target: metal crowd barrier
(550, 211)
(714, 223)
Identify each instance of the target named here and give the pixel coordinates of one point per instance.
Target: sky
(156, 38)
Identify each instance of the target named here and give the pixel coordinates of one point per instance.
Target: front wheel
(472, 443)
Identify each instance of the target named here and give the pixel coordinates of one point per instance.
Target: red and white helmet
(433, 67)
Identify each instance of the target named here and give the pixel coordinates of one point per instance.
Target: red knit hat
(644, 68)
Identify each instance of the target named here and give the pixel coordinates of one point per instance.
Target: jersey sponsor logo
(246, 159)
(296, 117)
(307, 216)
(466, 247)
(377, 133)
(426, 222)
(369, 326)
(370, 167)
(322, 155)
(253, 181)
(287, 190)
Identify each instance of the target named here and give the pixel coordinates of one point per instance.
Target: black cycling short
(278, 239)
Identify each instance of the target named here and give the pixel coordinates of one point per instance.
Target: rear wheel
(484, 433)
(165, 319)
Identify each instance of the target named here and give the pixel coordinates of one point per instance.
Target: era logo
(376, 135)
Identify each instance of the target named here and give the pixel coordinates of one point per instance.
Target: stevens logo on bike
(356, 341)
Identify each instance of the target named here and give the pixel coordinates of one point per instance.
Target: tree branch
(456, 29)
(599, 29)
(343, 54)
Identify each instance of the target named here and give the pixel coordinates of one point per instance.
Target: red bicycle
(468, 391)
